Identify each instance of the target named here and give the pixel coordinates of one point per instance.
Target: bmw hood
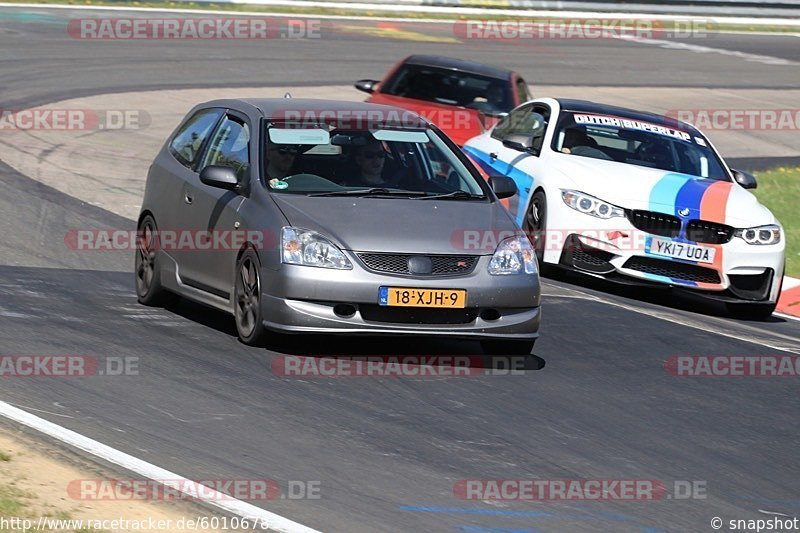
(690, 197)
(400, 225)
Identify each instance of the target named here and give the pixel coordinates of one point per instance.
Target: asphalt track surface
(595, 403)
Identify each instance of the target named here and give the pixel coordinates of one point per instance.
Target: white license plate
(681, 250)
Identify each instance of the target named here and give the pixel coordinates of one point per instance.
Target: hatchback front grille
(440, 265)
(654, 222)
(672, 269)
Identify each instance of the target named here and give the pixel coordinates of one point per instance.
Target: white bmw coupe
(637, 198)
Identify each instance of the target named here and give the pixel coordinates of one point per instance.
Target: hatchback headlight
(514, 255)
(309, 248)
(769, 234)
(589, 205)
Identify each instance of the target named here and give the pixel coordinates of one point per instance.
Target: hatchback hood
(690, 197)
(400, 225)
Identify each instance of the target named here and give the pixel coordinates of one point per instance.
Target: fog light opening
(344, 310)
(490, 314)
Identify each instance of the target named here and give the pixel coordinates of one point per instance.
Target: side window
(510, 124)
(230, 147)
(523, 91)
(188, 142)
(544, 112)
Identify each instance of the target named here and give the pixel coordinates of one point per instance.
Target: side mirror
(519, 142)
(746, 180)
(368, 86)
(218, 176)
(503, 186)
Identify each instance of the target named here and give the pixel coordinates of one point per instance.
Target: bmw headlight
(769, 234)
(309, 248)
(589, 205)
(513, 255)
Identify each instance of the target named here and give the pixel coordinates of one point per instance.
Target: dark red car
(462, 98)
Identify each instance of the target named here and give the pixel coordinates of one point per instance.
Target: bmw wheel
(535, 226)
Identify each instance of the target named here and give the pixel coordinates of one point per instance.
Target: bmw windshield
(376, 162)
(636, 143)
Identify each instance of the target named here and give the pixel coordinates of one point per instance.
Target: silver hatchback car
(314, 216)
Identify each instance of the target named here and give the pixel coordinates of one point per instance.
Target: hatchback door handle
(188, 198)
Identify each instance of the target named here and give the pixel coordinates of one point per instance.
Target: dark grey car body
(298, 298)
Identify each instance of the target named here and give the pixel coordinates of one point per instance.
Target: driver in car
(280, 159)
(577, 142)
(493, 101)
(370, 168)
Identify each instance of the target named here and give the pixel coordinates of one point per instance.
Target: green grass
(779, 190)
(5, 457)
(366, 12)
(12, 500)
(15, 502)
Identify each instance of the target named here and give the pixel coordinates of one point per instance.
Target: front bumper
(615, 250)
(740, 274)
(299, 299)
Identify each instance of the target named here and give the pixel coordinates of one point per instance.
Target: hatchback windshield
(636, 143)
(410, 163)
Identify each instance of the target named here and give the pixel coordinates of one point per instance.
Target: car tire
(507, 347)
(247, 300)
(147, 270)
(535, 226)
(751, 311)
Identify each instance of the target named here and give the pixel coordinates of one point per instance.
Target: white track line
(787, 317)
(699, 49)
(686, 322)
(211, 497)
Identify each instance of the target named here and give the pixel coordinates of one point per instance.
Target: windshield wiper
(375, 191)
(459, 195)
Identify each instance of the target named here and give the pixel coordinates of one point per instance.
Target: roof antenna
(287, 95)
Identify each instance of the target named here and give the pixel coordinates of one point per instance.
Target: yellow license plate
(405, 297)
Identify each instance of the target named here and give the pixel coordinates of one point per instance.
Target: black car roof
(586, 106)
(461, 65)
